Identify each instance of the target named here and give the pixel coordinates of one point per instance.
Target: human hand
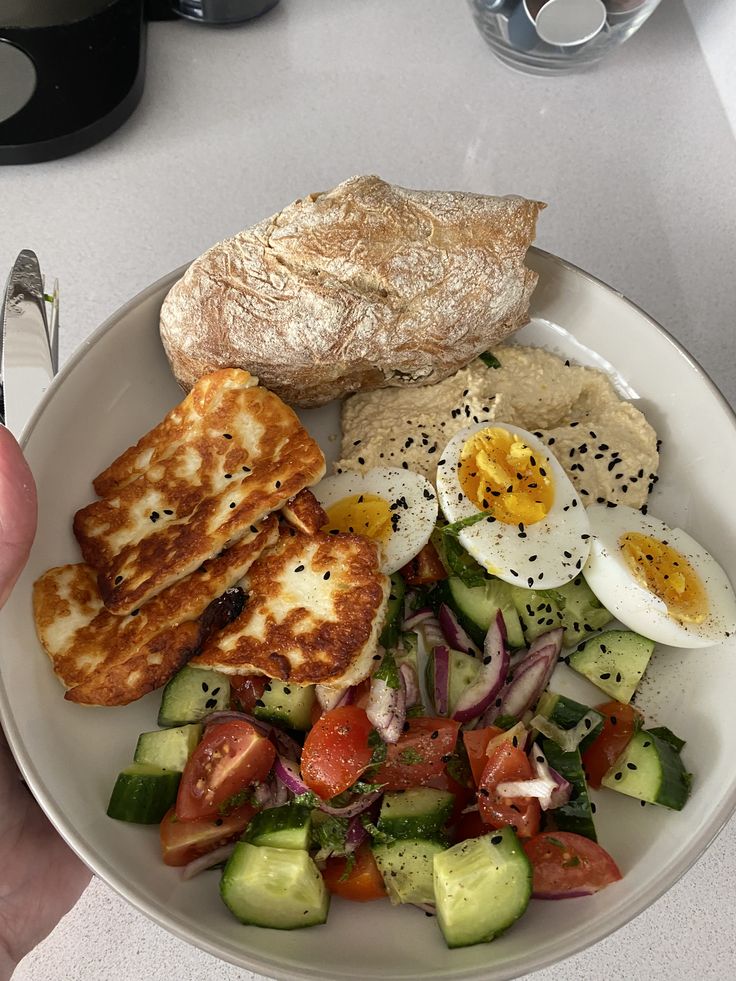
(41, 877)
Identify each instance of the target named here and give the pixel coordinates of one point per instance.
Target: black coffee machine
(71, 71)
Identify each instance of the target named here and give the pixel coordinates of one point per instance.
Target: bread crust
(365, 286)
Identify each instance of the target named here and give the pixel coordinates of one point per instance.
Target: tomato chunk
(425, 568)
(361, 883)
(476, 741)
(183, 841)
(336, 751)
(508, 762)
(420, 755)
(565, 865)
(621, 722)
(231, 757)
(245, 690)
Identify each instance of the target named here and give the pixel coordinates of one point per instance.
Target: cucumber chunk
(287, 826)
(286, 704)
(407, 869)
(577, 814)
(280, 888)
(192, 694)
(477, 606)
(143, 793)
(614, 661)
(651, 770)
(573, 606)
(481, 887)
(390, 632)
(463, 671)
(566, 713)
(168, 748)
(420, 812)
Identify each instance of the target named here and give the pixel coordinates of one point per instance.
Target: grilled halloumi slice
(105, 659)
(228, 455)
(315, 606)
(305, 513)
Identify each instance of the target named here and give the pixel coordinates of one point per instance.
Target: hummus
(604, 443)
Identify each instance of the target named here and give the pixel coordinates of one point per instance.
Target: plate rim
(116, 880)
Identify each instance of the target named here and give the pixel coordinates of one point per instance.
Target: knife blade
(26, 360)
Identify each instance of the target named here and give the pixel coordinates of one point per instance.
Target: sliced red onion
(561, 788)
(457, 638)
(356, 806)
(477, 697)
(528, 683)
(386, 708)
(330, 698)
(441, 692)
(287, 772)
(416, 617)
(535, 787)
(567, 739)
(263, 795)
(355, 835)
(430, 632)
(208, 861)
(411, 685)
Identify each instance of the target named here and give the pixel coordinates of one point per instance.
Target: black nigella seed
(532, 558)
(134, 613)
(168, 511)
(118, 580)
(232, 504)
(605, 676)
(361, 460)
(228, 476)
(631, 766)
(260, 703)
(205, 687)
(246, 469)
(227, 435)
(299, 568)
(588, 723)
(326, 575)
(618, 776)
(278, 484)
(210, 703)
(155, 516)
(647, 744)
(435, 734)
(215, 691)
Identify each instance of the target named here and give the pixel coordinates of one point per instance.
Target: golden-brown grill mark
(228, 455)
(314, 609)
(111, 660)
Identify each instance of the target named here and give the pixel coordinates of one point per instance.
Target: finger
(18, 511)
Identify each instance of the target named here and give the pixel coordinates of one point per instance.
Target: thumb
(18, 511)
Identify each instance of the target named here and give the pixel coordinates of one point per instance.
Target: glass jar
(512, 29)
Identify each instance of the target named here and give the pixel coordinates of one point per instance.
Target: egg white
(545, 554)
(634, 605)
(412, 500)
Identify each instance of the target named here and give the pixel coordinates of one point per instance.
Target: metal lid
(567, 22)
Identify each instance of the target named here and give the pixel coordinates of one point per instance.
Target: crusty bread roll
(365, 286)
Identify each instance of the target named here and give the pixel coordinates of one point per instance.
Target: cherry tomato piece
(420, 755)
(476, 741)
(621, 722)
(508, 762)
(245, 690)
(336, 751)
(565, 865)
(361, 883)
(183, 841)
(231, 757)
(425, 568)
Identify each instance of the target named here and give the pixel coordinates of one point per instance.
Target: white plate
(118, 385)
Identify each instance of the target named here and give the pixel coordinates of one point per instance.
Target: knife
(29, 342)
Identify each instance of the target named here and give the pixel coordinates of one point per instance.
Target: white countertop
(636, 159)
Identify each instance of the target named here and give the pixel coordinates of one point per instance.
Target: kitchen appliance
(72, 71)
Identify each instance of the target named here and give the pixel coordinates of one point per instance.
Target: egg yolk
(499, 473)
(362, 514)
(667, 573)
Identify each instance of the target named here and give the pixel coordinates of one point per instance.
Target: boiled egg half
(396, 508)
(525, 521)
(658, 580)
